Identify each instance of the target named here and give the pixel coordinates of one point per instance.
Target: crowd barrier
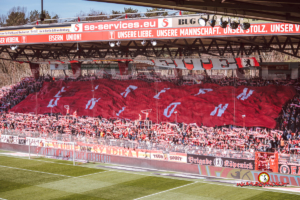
(287, 164)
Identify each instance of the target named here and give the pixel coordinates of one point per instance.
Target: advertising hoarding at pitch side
(221, 162)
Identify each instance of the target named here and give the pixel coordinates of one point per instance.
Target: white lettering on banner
(12, 40)
(120, 25)
(203, 63)
(56, 38)
(135, 34)
(162, 91)
(167, 33)
(120, 111)
(175, 104)
(73, 37)
(202, 91)
(93, 102)
(95, 88)
(53, 102)
(244, 94)
(221, 110)
(128, 89)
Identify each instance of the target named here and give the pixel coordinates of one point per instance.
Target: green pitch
(21, 178)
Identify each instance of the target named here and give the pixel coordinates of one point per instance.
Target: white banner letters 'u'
(244, 94)
(92, 102)
(133, 87)
(221, 110)
(53, 102)
(175, 104)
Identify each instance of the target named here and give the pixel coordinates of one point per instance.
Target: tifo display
(207, 104)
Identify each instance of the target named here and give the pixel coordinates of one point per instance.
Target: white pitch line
(2, 199)
(36, 171)
(165, 191)
(91, 174)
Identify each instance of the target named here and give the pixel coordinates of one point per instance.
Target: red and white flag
(75, 114)
(247, 62)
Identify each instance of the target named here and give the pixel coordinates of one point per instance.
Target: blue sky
(64, 8)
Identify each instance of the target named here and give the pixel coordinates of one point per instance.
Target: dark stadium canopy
(234, 46)
(270, 10)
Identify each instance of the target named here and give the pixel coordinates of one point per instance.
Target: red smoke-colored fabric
(123, 67)
(76, 69)
(209, 104)
(35, 70)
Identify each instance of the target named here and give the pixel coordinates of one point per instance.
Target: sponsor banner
(159, 155)
(35, 141)
(289, 168)
(10, 139)
(117, 25)
(36, 30)
(203, 63)
(178, 157)
(22, 141)
(153, 33)
(221, 162)
(118, 151)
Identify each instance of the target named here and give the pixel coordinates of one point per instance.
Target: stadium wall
(204, 170)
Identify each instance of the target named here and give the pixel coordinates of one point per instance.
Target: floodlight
(213, 21)
(118, 43)
(143, 43)
(233, 24)
(202, 21)
(245, 25)
(153, 43)
(112, 44)
(223, 24)
(13, 47)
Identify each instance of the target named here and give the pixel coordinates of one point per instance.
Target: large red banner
(117, 31)
(209, 104)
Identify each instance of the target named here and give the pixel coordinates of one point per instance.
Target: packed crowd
(13, 94)
(285, 138)
(238, 139)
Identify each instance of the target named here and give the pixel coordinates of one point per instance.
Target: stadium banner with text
(139, 30)
(202, 63)
(221, 161)
(289, 168)
(9, 139)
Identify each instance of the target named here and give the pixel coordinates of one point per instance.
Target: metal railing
(125, 143)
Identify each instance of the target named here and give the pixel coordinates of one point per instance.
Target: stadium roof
(270, 10)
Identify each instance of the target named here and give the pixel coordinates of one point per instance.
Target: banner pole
(29, 150)
(73, 153)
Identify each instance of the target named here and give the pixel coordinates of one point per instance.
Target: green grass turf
(87, 182)
(56, 168)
